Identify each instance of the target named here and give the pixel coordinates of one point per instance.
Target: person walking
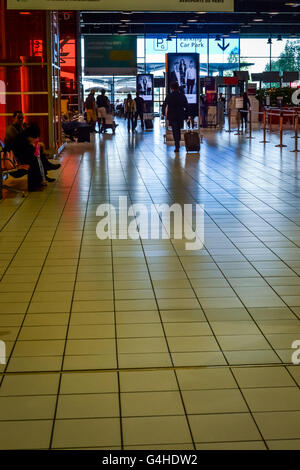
(90, 106)
(177, 108)
(244, 110)
(140, 105)
(203, 111)
(130, 112)
(221, 110)
(103, 105)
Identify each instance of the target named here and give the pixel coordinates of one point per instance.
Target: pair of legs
(130, 122)
(35, 177)
(101, 119)
(176, 129)
(244, 117)
(191, 122)
(190, 86)
(139, 114)
(91, 118)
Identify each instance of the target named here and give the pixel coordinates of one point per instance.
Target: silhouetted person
(177, 108)
(244, 113)
(140, 105)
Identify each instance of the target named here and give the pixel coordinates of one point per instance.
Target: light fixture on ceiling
(225, 35)
(125, 20)
(273, 12)
(235, 31)
(169, 38)
(258, 20)
(193, 20)
(200, 12)
(292, 4)
(184, 26)
(178, 31)
(293, 35)
(246, 25)
(127, 12)
(279, 37)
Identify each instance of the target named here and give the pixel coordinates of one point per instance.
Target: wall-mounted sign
(109, 55)
(120, 5)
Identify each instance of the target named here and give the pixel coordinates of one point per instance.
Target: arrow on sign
(223, 47)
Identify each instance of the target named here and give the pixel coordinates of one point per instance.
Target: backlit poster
(144, 86)
(183, 68)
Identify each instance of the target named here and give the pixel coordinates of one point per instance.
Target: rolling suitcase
(148, 124)
(192, 141)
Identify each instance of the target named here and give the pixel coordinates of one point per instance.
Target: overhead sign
(120, 5)
(109, 55)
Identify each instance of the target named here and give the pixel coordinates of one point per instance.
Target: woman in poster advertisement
(182, 72)
(191, 77)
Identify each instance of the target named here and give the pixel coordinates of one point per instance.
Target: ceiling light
(125, 21)
(293, 35)
(273, 12)
(292, 4)
(178, 31)
(169, 38)
(193, 20)
(235, 31)
(258, 20)
(200, 12)
(185, 26)
(225, 35)
(127, 12)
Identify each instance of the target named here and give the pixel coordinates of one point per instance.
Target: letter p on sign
(296, 97)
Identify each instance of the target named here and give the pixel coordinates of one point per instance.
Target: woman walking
(130, 112)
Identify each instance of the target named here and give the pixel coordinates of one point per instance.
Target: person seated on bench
(11, 135)
(25, 153)
(69, 127)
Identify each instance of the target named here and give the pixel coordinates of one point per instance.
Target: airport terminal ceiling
(255, 17)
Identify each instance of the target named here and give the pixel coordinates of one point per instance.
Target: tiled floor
(141, 344)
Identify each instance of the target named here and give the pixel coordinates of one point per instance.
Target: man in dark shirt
(244, 110)
(14, 130)
(177, 108)
(140, 104)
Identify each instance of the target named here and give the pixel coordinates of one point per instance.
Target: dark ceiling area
(263, 17)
